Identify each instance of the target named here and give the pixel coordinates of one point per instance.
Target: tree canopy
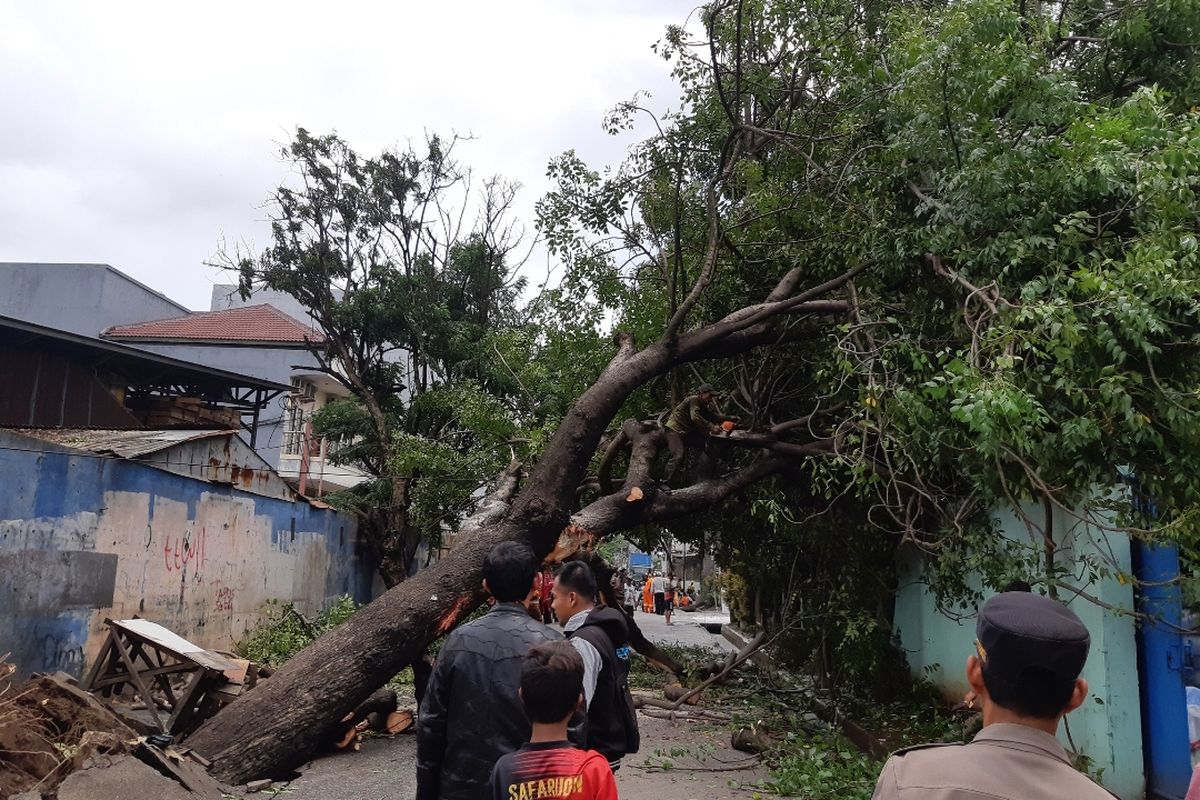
(1012, 187)
(940, 256)
(414, 301)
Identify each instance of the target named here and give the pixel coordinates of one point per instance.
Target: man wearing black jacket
(471, 713)
(601, 636)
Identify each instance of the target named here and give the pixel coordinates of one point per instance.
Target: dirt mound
(42, 725)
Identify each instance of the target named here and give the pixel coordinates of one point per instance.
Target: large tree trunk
(285, 720)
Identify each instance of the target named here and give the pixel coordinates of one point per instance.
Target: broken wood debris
(146, 658)
(377, 713)
(49, 728)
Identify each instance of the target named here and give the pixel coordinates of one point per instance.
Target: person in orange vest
(648, 594)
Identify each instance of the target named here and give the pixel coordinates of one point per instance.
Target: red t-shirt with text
(552, 771)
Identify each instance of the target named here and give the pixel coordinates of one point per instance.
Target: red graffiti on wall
(179, 551)
(224, 599)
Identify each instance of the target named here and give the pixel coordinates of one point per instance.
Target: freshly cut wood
(750, 649)
(400, 721)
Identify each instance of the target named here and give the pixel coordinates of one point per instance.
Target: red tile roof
(260, 323)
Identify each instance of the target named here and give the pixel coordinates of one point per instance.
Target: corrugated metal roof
(131, 362)
(125, 444)
(261, 323)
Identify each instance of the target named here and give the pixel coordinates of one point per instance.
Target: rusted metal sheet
(225, 459)
(48, 389)
(210, 455)
(126, 444)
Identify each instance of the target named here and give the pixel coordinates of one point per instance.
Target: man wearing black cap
(1025, 673)
(691, 422)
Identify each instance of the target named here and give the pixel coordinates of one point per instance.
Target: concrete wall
(80, 298)
(1107, 728)
(83, 538)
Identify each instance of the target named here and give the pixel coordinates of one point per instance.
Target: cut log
(676, 692)
(399, 722)
(284, 721)
(750, 649)
(752, 739)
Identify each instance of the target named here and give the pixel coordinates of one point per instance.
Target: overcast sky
(142, 134)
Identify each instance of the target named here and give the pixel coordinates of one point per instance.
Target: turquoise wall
(1107, 728)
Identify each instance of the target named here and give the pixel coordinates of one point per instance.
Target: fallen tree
(834, 220)
(281, 724)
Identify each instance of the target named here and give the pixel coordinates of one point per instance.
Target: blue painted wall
(84, 537)
(1107, 728)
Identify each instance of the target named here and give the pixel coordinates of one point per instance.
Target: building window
(301, 399)
(293, 429)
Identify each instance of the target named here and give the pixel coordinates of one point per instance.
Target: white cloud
(140, 134)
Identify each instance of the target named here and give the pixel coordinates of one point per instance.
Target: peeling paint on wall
(130, 539)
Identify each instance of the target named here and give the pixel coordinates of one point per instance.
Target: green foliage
(822, 772)
(418, 312)
(286, 631)
(1018, 184)
(644, 675)
(614, 550)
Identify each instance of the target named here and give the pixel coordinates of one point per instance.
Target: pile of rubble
(128, 738)
(54, 736)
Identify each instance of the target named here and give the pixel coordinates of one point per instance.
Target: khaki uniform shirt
(1004, 762)
(695, 416)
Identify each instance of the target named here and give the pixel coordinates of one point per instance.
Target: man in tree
(691, 423)
(471, 714)
(1030, 652)
(601, 635)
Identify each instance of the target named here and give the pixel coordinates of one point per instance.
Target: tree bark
(280, 725)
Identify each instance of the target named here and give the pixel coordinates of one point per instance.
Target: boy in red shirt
(548, 767)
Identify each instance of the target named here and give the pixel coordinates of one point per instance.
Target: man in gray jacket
(471, 714)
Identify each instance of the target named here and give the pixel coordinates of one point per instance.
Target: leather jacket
(471, 714)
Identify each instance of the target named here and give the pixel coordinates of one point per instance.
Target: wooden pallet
(141, 655)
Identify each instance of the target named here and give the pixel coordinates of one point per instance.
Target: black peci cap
(1017, 631)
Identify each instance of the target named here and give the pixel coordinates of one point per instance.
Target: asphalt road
(680, 760)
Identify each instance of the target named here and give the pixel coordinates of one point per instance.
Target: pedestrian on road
(659, 589)
(648, 594)
(669, 598)
(548, 766)
(471, 713)
(601, 635)
(1025, 673)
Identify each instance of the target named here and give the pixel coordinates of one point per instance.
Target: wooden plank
(190, 774)
(137, 681)
(173, 643)
(187, 701)
(123, 677)
(94, 673)
(153, 657)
